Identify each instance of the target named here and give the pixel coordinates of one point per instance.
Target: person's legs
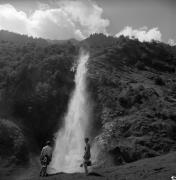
(45, 169)
(44, 166)
(85, 167)
(42, 172)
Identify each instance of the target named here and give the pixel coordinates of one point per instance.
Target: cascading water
(69, 145)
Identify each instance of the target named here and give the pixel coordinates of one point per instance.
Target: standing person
(86, 156)
(45, 158)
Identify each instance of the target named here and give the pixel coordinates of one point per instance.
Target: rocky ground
(157, 168)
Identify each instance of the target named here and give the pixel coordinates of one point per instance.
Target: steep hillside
(20, 40)
(36, 81)
(132, 85)
(133, 88)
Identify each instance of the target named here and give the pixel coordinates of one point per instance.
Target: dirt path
(31, 172)
(158, 168)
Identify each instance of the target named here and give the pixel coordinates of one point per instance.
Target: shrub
(159, 81)
(140, 65)
(12, 142)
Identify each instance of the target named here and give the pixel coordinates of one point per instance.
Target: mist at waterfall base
(69, 145)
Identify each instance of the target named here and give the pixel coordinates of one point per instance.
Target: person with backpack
(45, 158)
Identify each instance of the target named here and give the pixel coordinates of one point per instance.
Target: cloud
(171, 42)
(142, 34)
(87, 15)
(13, 20)
(69, 19)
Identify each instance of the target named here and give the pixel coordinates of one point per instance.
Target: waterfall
(69, 145)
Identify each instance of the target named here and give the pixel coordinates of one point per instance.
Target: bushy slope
(133, 88)
(6, 36)
(13, 143)
(35, 83)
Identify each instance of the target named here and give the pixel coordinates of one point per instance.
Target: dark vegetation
(12, 141)
(132, 85)
(35, 84)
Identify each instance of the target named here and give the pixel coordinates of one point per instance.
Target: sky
(64, 19)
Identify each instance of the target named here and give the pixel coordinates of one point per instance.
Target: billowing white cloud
(13, 20)
(87, 15)
(69, 19)
(142, 34)
(171, 42)
(52, 24)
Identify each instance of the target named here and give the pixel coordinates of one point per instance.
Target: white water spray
(69, 145)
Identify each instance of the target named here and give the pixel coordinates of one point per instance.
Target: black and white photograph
(87, 90)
